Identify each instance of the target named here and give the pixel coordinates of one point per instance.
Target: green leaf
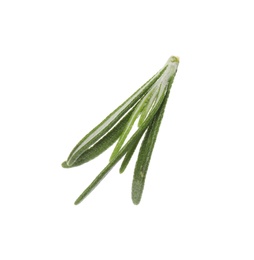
(96, 133)
(103, 144)
(146, 149)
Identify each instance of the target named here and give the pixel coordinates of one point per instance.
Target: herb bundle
(146, 105)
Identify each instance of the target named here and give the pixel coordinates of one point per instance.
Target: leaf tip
(77, 201)
(65, 165)
(135, 201)
(121, 170)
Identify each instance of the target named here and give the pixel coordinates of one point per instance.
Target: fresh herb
(148, 104)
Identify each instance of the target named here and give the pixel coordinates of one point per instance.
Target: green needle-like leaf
(144, 157)
(146, 150)
(103, 144)
(96, 133)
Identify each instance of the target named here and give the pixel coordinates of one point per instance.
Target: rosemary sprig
(148, 103)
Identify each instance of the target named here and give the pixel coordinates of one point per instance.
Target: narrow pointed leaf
(144, 157)
(147, 146)
(103, 144)
(110, 120)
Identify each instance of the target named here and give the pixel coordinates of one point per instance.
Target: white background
(64, 65)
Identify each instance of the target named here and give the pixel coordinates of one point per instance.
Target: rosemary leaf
(103, 144)
(144, 157)
(146, 149)
(96, 133)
